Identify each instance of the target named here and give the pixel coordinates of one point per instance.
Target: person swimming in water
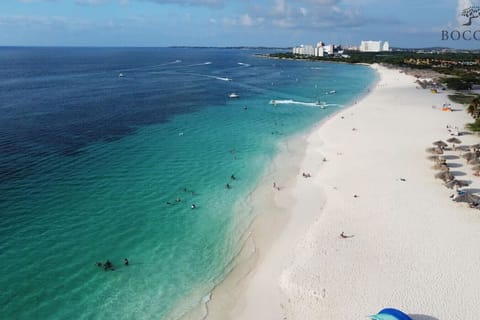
(233, 177)
(228, 186)
(193, 206)
(125, 261)
(108, 266)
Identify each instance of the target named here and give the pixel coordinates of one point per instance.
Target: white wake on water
(200, 64)
(212, 77)
(317, 104)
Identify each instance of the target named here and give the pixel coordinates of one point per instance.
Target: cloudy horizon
(276, 23)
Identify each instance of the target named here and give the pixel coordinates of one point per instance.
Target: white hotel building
(374, 46)
(318, 51)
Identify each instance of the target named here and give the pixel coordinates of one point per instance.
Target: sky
(277, 23)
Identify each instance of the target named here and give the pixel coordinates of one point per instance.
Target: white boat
(120, 75)
(233, 95)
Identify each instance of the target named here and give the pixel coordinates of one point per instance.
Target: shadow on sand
(422, 317)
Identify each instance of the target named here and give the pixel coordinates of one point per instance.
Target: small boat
(233, 95)
(332, 92)
(120, 75)
(274, 102)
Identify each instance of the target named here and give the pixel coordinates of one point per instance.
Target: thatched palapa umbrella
(437, 159)
(434, 150)
(476, 167)
(440, 144)
(454, 140)
(469, 156)
(441, 166)
(463, 148)
(468, 198)
(474, 162)
(457, 183)
(476, 146)
(445, 176)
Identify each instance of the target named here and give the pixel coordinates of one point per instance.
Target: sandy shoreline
(412, 247)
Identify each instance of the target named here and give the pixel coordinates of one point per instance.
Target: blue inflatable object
(396, 314)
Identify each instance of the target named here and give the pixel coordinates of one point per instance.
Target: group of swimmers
(109, 266)
(194, 206)
(228, 186)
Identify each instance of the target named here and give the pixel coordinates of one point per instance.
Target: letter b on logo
(444, 35)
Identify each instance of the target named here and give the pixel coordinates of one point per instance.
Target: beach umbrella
(441, 167)
(463, 148)
(440, 144)
(454, 140)
(457, 183)
(476, 146)
(445, 176)
(474, 162)
(433, 158)
(469, 156)
(476, 167)
(467, 197)
(434, 150)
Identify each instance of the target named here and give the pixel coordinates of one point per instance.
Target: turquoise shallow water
(99, 179)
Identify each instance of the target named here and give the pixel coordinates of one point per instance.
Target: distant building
(304, 50)
(319, 50)
(329, 49)
(386, 46)
(374, 46)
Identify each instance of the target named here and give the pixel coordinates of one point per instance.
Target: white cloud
(247, 21)
(305, 14)
(42, 21)
(229, 21)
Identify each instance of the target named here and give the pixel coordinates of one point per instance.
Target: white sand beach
(409, 245)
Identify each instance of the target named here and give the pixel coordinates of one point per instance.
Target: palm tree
(474, 108)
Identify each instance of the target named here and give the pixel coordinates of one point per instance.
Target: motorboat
(233, 95)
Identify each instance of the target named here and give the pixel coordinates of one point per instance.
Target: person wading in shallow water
(108, 266)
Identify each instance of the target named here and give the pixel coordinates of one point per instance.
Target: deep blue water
(97, 145)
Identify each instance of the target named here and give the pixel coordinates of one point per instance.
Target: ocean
(103, 152)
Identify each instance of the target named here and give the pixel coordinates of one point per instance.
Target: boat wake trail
(212, 77)
(243, 64)
(200, 64)
(316, 104)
